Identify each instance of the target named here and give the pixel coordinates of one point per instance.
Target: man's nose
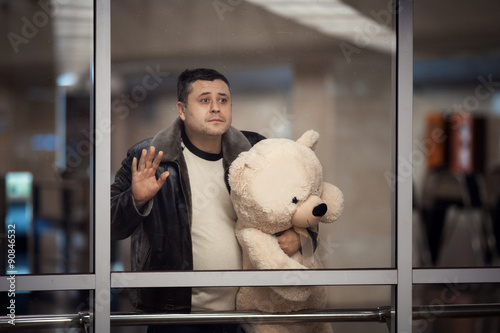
(215, 107)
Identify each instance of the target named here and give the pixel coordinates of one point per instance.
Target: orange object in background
(456, 141)
(435, 140)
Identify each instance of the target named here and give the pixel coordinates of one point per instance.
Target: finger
(162, 179)
(157, 160)
(134, 167)
(142, 160)
(150, 156)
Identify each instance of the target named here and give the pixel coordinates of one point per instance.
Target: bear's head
(278, 184)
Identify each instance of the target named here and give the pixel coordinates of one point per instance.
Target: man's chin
(218, 129)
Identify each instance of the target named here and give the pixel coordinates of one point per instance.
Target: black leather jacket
(161, 238)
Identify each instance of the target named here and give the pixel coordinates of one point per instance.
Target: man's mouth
(216, 120)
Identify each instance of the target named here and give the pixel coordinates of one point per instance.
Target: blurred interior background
(293, 65)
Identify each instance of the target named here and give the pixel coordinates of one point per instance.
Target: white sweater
(215, 246)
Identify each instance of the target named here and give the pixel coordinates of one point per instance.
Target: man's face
(208, 110)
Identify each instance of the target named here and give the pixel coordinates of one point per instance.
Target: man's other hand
(289, 241)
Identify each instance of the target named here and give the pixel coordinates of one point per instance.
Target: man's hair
(189, 76)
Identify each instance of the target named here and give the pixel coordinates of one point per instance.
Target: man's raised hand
(144, 182)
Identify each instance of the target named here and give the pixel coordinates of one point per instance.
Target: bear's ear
(235, 172)
(237, 169)
(246, 159)
(309, 139)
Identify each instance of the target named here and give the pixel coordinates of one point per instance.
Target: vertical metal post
(404, 172)
(102, 144)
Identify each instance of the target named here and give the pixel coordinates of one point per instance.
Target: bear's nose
(320, 210)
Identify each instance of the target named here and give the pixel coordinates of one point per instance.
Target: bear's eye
(295, 200)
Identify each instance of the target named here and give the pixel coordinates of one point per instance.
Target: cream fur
(275, 186)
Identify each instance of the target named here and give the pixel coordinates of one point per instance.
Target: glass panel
(436, 300)
(292, 67)
(456, 134)
(362, 300)
(289, 72)
(46, 135)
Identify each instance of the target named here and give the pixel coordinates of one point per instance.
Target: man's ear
(181, 110)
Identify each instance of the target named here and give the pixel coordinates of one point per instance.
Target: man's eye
(204, 100)
(223, 100)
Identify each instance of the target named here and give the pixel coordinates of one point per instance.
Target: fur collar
(169, 141)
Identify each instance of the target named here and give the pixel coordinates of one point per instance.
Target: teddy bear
(278, 185)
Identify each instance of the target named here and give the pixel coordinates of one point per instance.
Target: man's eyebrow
(208, 93)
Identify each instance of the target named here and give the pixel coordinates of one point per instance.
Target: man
(177, 207)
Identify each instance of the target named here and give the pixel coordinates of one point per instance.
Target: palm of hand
(144, 182)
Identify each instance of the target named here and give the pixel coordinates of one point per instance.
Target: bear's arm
(264, 252)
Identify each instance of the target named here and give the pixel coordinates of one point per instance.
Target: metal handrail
(44, 321)
(381, 315)
(349, 315)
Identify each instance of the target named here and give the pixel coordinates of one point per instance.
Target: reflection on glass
(436, 300)
(45, 135)
(456, 130)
